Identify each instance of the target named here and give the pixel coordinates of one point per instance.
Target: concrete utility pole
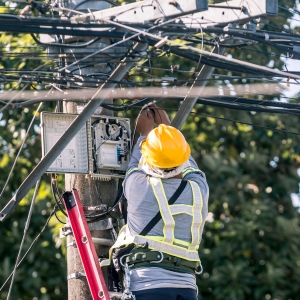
(91, 191)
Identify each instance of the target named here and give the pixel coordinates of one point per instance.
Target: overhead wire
(217, 98)
(30, 247)
(21, 148)
(250, 124)
(194, 49)
(23, 238)
(13, 98)
(237, 121)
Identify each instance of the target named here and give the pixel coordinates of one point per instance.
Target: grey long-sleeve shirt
(142, 207)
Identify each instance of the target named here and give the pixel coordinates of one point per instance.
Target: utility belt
(147, 258)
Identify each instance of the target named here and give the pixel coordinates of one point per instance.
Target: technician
(167, 206)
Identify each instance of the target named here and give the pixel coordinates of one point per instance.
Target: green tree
(251, 240)
(42, 274)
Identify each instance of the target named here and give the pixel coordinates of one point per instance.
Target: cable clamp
(101, 207)
(65, 231)
(267, 37)
(76, 275)
(72, 244)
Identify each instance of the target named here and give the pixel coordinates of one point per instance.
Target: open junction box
(101, 149)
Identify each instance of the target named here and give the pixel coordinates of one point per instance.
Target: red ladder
(85, 246)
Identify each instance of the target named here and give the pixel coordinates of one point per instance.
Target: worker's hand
(145, 122)
(160, 115)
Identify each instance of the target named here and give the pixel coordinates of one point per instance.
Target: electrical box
(73, 159)
(111, 143)
(101, 149)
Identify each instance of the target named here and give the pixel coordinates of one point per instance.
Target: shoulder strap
(157, 217)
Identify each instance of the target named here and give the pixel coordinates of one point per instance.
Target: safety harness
(164, 251)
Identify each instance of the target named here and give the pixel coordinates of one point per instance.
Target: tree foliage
(251, 239)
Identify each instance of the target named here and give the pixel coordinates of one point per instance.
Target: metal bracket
(72, 244)
(251, 10)
(101, 207)
(76, 275)
(147, 10)
(65, 231)
(105, 224)
(101, 225)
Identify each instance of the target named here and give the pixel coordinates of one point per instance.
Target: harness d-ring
(121, 259)
(199, 272)
(157, 261)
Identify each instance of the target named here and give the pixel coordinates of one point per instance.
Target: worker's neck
(178, 176)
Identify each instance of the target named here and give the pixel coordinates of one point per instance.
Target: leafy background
(251, 241)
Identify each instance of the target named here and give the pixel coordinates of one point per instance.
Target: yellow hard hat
(165, 147)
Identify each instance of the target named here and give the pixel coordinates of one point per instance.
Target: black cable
(247, 108)
(119, 197)
(53, 178)
(64, 45)
(212, 100)
(253, 37)
(127, 107)
(31, 245)
(45, 29)
(250, 124)
(59, 220)
(242, 100)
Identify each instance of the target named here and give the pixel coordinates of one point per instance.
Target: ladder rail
(86, 248)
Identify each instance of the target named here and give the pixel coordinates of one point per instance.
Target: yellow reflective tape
(161, 239)
(181, 209)
(169, 223)
(131, 170)
(197, 215)
(189, 170)
(201, 211)
(159, 204)
(170, 228)
(174, 250)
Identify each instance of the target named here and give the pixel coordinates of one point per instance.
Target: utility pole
(92, 191)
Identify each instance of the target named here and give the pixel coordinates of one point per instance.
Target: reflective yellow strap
(174, 250)
(181, 209)
(169, 223)
(131, 171)
(197, 215)
(189, 170)
(161, 239)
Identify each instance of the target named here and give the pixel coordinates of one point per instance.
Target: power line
(21, 148)
(23, 238)
(30, 247)
(250, 124)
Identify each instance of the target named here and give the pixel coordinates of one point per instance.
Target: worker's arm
(160, 115)
(144, 124)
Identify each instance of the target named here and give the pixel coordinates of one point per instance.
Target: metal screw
(133, 258)
(84, 239)
(158, 256)
(144, 256)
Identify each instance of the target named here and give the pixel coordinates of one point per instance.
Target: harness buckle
(160, 256)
